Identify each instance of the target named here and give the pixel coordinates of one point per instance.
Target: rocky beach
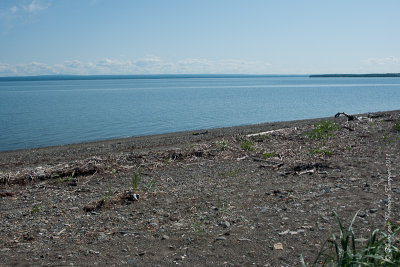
(257, 195)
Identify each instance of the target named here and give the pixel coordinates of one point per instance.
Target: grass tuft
(323, 130)
(341, 251)
(247, 145)
(136, 178)
(396, 126)
(268, 155)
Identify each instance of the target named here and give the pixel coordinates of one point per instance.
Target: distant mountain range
(356, 75)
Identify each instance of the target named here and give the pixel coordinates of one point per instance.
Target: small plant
(323, 130)
(268, 155)
(221, 206)
(342, 251)
(149, 186)
(222, 145)
(396, 126)
(198, 225)
(247, 145)
(348, 148)
(65, 179)
(386, 139)
(107, 196)
(321, 151)
(136, 178)
(35, 209)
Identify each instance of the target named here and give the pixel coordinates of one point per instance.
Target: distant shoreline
(371, 75)
(131, 77)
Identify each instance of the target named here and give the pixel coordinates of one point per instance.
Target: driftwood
(349, 117)
(272, 131)
(200, 133)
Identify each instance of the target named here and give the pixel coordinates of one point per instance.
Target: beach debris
(84, 167)
(273, 131)
(349, 117)
(7, 194)
(200, 133)
(278, 246)
(109, 201)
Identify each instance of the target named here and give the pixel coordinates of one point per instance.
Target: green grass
(321, 151)
(135, 180)
(35, 209)
(342, 250)
(268, 155)
(323, 130)
(396, 126)
(247, 145)
(65, 179)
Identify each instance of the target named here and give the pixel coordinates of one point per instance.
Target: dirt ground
(218, 197)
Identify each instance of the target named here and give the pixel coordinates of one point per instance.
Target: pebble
(225, 224)
(164, 237)
(373, 210)
(220, 238)
(362, 214)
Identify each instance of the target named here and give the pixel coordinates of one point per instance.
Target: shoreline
(187, 136)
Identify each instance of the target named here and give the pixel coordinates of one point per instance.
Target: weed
(321, 151)
(35, 209)
(198, 225)
(348, 148)
(323, 130)
(136, 178)
(222, 145)
(268, 155)
(107, 195)
(396, 126)
(221, 206)
(387, 139)
(247, 145)
(342, 251)
(149, 186)
(65, 179)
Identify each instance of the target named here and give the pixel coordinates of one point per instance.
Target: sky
(91, 37)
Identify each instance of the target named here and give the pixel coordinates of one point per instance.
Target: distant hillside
(356, 75)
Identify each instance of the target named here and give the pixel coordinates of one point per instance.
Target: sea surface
(53, 112)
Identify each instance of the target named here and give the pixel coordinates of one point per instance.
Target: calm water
(45, 113)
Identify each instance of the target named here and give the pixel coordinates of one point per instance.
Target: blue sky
(39, 37)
